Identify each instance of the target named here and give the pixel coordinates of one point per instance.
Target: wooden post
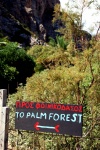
(4, 120)
(3, 97)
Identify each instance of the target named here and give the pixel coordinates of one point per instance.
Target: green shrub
(59, 42)
(15, 63)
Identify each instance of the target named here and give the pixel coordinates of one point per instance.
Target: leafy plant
(15, 64)
(58, 42)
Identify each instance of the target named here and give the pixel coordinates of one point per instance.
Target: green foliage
(61, 42)
(47, 57)
(9, 72)
(69, 84)
(3, 41)
(52, 42)
(15, 63)
(58, 42)
(40, 54)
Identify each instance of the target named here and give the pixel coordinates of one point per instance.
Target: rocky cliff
(20, 19)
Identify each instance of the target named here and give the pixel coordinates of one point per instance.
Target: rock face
(17, 15)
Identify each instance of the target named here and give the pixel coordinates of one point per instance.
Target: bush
(60, 42)
(15, 64)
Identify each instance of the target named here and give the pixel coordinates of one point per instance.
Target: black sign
(49, 117)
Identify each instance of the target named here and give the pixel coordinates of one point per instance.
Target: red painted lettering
(63, 107)
(54, 106)
(18, 104)
(31, 104)
(59, 107)
(72, 108)
(80, 108)
(75, 108)
(67, 108)
(49, 106)
(42, 105)
(23, 104)
(27, 105)
(37, 105)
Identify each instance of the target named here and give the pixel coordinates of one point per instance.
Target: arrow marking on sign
(37, 127)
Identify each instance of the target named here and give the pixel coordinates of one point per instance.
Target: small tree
(15, 64)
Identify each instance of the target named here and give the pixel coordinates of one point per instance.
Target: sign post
(49, 117)
(4, 118)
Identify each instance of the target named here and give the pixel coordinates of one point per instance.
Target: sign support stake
(4, 120)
